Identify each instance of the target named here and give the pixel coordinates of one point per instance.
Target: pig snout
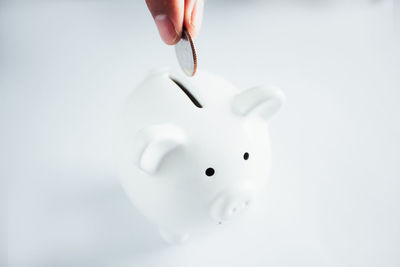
(232, 202)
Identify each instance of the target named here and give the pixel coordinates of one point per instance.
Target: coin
(186, 54)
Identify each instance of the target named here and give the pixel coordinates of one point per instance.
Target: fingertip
(166, 29)
(168, 17)
(194, 17)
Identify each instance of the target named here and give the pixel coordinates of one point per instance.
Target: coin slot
(187, 93)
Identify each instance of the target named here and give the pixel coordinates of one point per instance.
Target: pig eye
(246, 156)
(210, 172)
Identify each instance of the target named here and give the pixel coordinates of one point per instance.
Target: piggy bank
(194, 153)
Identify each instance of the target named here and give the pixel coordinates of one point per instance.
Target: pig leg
(173, 237)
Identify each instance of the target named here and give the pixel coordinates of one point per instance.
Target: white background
(334, 195)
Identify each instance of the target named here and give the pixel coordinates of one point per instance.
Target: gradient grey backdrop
(334, 195)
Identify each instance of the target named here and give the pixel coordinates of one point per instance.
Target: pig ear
(154, 143)
(264, 100)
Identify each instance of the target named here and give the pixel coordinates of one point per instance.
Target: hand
(171, 15)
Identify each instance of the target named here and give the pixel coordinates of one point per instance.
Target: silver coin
(186, 54)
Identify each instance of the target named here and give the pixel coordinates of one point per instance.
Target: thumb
(168, 16)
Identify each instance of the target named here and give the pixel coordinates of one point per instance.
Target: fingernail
(166, 29)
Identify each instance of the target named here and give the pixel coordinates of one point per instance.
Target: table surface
(333, 198)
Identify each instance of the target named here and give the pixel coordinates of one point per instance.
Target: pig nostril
(231, 203)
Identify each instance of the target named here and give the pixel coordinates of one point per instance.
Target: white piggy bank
(194, 152)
